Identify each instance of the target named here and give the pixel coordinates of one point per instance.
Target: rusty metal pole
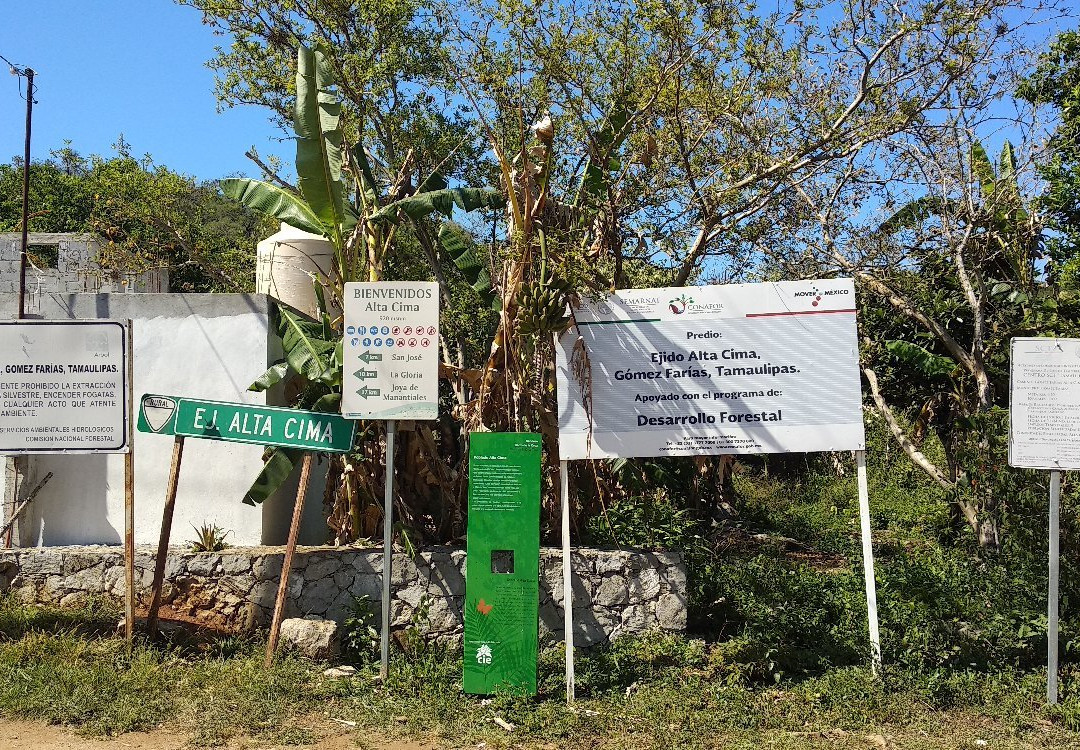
(26, 192)
(129, 498)
(286, 564)
(163, 539)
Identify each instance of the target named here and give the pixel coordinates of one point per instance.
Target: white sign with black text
(391, 350)
(63, 387)
(1044, 404)
(741, 368)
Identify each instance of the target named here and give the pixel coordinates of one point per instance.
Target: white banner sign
(391, 350)
(746, 368)
(63, 387)
(1044, 404)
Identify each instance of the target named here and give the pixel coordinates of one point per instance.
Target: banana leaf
(913, 355)
(271, 377)
(421, 205)
(318, 142)
(459, 245)
(305, 351)
(273, 201)
(279, 464)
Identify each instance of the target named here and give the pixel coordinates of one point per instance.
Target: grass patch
(651, 692)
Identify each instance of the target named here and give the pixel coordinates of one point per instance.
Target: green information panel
(502, 587)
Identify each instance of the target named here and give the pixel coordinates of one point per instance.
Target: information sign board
(63, 387)
(742, 368)
(391, 350)
(503, 566)
(246, 423)
(1044, 404)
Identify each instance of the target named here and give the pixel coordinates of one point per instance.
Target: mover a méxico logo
(817, 294)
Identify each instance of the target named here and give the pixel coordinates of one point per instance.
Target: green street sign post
(502, 587)
(246, 423)
(276, 426)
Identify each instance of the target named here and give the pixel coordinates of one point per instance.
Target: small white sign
(391, 350)
(1044, 404)
(741, 368)
(63, 387)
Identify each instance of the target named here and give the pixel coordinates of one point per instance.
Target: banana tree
(360, 223)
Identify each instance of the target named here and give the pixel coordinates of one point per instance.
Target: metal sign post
(714, 370)
(1044, 433)
(1052, 595)
(868, 563)
(567, 583)
(391, 372)
(239, 423)
(388, 552)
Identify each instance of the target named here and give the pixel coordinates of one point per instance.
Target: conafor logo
(679, 304)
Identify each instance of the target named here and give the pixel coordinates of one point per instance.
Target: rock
(203, 564)
(235, 563)
(645, 587)
(268, 567)
(315, 639)
(671, 612)
(612, 592)
(321, 568)
(316, 598)
(340, 673)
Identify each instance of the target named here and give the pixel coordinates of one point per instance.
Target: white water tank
(286, 262)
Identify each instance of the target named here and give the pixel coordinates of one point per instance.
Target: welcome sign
(743, 368)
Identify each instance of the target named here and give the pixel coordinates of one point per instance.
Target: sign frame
(124, 397)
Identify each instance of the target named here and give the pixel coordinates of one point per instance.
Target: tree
(1056, 82)
(146, 214)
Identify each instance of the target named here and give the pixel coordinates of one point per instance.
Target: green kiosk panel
(502, 585)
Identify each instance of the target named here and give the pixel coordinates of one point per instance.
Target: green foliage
(147, 216)
(360, 640)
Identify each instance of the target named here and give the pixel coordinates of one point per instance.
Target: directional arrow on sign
(368, 358)
(365, 392)
(365, 374)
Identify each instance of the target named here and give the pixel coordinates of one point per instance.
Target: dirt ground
(31, 735)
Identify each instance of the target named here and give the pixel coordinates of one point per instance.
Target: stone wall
(615, 592)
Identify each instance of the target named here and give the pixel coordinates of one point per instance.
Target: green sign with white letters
(246, 423)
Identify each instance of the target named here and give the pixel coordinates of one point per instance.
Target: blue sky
(137, 67)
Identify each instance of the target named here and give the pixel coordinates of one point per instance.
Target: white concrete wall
(200, 346)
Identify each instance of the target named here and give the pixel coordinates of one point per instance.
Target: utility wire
(21, 72)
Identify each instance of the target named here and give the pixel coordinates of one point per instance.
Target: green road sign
(365, 374)
(368, 357)
(245, 423)
(365, 392)
(502, 587)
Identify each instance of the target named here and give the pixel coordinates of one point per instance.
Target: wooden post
(1052, 593)
(286, 564)
(163, 538)
(129, 497)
